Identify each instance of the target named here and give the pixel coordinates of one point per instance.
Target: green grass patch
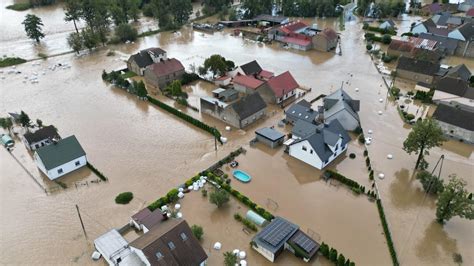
(128, 74)
(11, 61)
(124, 198)
(20, 6)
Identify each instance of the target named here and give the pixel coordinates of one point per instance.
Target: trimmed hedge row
(229, 158)
(97, 172)
(171, 196)
(332, 255)
(246, 222)
(387, 233)
(346, 181)
(186, 118)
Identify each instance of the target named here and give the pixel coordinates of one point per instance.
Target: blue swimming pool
(242, 176)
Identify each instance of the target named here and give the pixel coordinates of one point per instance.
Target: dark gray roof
(455, 114)
(274, 236)
(460, 71)
(302, 111)
(452, 85)
(228, 92)
(303, 129)
(249, 105)
(143, 58)
(270, 133)
(270, 18)
(251, 68)
(44, 133)
(444, 43)
(327, 134)
(418, 66)
(302, 240)
(340, 95)
(467, 30)
(64, 151)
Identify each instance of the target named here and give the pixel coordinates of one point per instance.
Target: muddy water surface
(146, 151)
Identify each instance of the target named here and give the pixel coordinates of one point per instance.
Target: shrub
(369, 47)
(20, 6)
(333, 255)
(97, 172)
(11, 61)
(238, 217)
(387, 58)
(324, 249)
(219, 197)
(124, 198)
(188, 78)
(230, 259)
(249, 224)
(341, 260)
(42, 55)
(409, 117)
(386, 39)
(197, 231)
(395, 91)
(361, 138)
(352, 155)
(367, 161)
(204, 192)
(366, 153)
(125, 32)
(356, 190)
(346, 181)
(172, 195)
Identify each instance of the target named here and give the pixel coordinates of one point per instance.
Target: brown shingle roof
(330, 34)
(401, 46)
(164, 244)
(166, 67)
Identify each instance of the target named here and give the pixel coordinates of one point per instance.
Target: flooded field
(146, 151)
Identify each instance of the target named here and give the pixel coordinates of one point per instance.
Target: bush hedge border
(387, 233)
(97, 172)
(213, 131)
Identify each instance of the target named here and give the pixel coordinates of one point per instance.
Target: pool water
(242, 176)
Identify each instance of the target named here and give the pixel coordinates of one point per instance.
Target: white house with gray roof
(60, 158)
(322, 147)
(340, 106)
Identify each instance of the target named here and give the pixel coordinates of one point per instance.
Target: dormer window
(171, 245)
(159, 256)
(184, 237)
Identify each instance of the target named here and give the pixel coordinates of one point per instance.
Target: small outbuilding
(256, 218)
(270, 137)
(7, 141)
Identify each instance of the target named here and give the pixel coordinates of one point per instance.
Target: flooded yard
(147, 151)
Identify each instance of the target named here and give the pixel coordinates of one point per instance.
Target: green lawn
(10, 61)
(19, 6)
(128, 74)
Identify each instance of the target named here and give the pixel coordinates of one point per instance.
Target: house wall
(267, 94)
(347, 121)
(253, 118)
(465, 49)
(36, 145)
(222, 82)
(242, 89)
(141, 255)
(440, 96)
(392, 52)
(296, 150)
(161, 81)
(67, 167)
(298, 47)
(320, 43)
(269, 143)
(158, 57)
(267, 254)
(224, 114)
(456, 132)
(286, 96)
(132, 66)
(414, 76)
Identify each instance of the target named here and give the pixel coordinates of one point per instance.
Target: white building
(60, 158)
(321, 148)
(40, 138)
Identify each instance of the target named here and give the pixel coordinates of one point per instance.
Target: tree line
(380, 9)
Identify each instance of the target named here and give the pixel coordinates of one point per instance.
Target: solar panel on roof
(305, 242)
(276, 232)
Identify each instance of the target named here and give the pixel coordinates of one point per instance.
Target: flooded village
(301, 128)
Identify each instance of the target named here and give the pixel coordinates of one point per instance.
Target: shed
(270, 137)
(7, 141)
(255, 218)
(114, 248)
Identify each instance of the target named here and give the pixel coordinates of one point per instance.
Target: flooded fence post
(80, 219)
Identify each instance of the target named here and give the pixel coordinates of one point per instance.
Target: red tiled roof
(265, 74)
(298, 41)
(470, 12)
(166, 67)
(247, 81)
(225, 77)
(282, 84)
(330, 34)
(293, 26)
(401, 46)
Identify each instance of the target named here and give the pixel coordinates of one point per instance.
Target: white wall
(286, 96)
(40, 144)
(267, 254)
(141, 255)
(296, 150)
(67, 167)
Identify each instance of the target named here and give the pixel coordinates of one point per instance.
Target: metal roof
(59, 153)
(270, 133)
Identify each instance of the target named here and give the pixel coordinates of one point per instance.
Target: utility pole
(80, 219)
(215, 139)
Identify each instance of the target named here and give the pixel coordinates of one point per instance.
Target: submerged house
(40, 138)
(241, 113)
(164, 72)
(326, 40)
(279, 89)
(322, 147)
(387, 25)
(301, 110)
(281, 234)
(453, 89)
(341, 107)
(270, 137)
(417, 70)
(60, 158)
(138, 62)
(456, 120)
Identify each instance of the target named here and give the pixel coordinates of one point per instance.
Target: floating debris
(370, 131)
(389, 156)
(227, 128)
(380, 100)
(217, 246)
(357, 89)
(381, 176)
(242, 255)
(380, 112)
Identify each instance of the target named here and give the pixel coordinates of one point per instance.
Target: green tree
(181, 10)
(341, 260)
(219, 197)
(217, 65)
(386, 39)
(89, 38)
(424, 135)
(125, 32)
(39, 123)
(6, 123)
(33, 26)
(141, 89)
(455, 200)
(232, 14)
(72, 12)
(197, 231)
(174, 88)
(230, 259)
(253, 8)
(24, 119)
(333, 255)
(75, 41)
(431, 184)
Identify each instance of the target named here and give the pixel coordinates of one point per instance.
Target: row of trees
(380, 9)
(171, 14)
(311, 8)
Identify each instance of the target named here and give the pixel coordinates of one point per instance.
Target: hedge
(346, 181)
(388, 236)
(186, 118)
(383, 31)
(332, 255)
(11, 61)
(97, 172)
(246, 222)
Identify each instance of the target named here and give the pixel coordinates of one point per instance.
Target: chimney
(320, 117)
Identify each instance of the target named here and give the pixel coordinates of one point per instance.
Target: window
(311, 151)
(183, 236)
(337, 147)
(304, 148)
(60, 171)
(171, 245)
(37, 146)
(78, 163)
(159, 256)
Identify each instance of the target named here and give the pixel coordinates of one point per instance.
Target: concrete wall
(267, 94)
(66, 168)
(457, 132)
(414, 76)
(269, 143)
(141, 255)
(253, 118)
(267, 254)
(132, 66)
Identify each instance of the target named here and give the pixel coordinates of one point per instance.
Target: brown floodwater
(147, 151)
